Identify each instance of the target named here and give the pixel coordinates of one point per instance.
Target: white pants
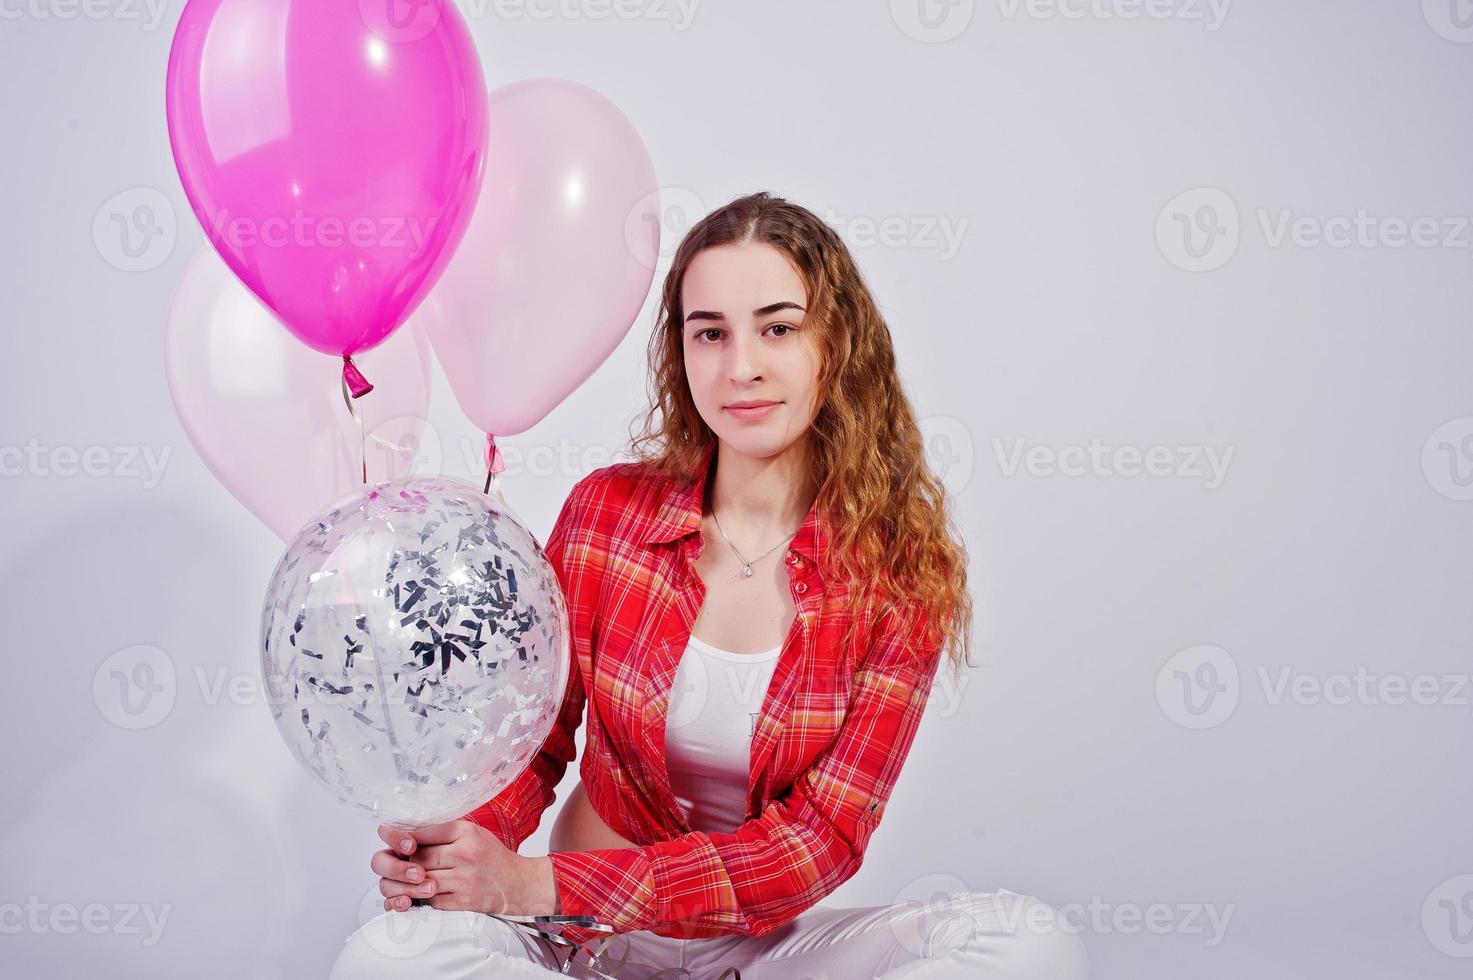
(975, 935)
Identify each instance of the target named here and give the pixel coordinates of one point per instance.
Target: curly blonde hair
(892, 533)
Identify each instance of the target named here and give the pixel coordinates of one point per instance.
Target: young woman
(759, 604)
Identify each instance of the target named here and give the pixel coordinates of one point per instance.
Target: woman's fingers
(390, 888)
(441, 833)
(387, 864)
(398, 896)
(399, 839)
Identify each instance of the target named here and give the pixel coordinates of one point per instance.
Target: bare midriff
(579, 827)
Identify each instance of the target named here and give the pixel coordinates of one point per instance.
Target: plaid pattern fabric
(835, 726)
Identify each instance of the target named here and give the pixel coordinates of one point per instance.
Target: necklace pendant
(746, 571)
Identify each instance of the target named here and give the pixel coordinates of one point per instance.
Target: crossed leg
(975, 935)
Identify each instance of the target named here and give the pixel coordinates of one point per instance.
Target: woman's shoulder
(619, 491)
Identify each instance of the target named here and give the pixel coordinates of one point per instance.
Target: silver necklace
(747, 565)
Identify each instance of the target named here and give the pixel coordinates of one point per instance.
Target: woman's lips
(753, 414)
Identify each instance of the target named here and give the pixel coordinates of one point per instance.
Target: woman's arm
(803, 845)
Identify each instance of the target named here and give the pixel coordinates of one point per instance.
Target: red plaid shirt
(835, 726)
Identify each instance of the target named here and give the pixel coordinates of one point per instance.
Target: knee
(420, 942)
(390, 945)
(1023, 937)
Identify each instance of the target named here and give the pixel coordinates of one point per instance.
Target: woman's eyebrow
(764, 311)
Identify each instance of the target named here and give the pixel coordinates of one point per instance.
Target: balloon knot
(354, 378)
(494, 463)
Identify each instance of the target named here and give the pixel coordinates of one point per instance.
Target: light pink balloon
(558, 258)
(267, 413)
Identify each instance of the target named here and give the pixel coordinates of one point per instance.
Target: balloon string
(362, 439)
(393, 447)
(396, 751)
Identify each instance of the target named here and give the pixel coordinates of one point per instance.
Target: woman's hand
(461, 866)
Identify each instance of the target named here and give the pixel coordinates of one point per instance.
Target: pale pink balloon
(332, 151)
(557, 261)
(267, 414)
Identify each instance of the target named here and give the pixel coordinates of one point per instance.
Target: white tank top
(715, 700)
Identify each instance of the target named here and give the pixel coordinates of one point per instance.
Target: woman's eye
(713, 334)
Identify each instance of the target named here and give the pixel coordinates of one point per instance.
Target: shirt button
(792, 558)
(801, 588)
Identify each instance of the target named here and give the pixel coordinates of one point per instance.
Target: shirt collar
(679, 515)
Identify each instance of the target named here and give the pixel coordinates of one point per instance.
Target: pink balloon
(267, 415)
(331, 151)
(557, 261)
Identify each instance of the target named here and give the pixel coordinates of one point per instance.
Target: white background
(1075, 765)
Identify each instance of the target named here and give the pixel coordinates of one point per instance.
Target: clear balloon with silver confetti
(414, 648)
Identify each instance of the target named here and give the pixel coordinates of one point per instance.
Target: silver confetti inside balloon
(414, 648)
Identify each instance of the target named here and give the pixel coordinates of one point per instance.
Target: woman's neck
(762, 499)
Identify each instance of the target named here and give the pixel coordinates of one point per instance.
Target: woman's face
(745, 342)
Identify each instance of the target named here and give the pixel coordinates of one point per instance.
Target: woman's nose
(743, 367)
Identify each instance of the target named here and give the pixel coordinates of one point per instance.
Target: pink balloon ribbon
(354, 379)
(494, 463)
